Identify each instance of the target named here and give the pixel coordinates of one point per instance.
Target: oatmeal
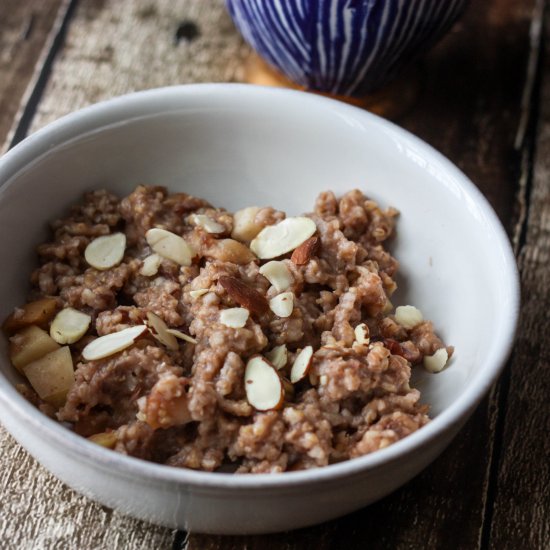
(170, 330)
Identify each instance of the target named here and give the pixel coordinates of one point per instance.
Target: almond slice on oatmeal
(263, 386)
(288, 234)
(198, 293)
(278, 274)
(282, 304)
(181, 335)
(245, 227)
(106, 251)
(69, 326)
(207, 223)
(362, 334)
(234, 317)
(301, 365)
(436, 362)
(408, 316)
(306, 251)
(278, 356)
(107, 345)
(159, 330)
(244, 294)
(150, 265)
(170, 246)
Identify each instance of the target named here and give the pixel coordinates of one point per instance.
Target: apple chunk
(52, 376)
(38, 312)
(30, 344)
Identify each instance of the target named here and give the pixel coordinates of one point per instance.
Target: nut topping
(229, 250)
(306, 251)
(207, 223)
(159, 329)
(245, 227)
(437, 361)
(301, 365)
(106, 251)
(275, 240)
(181, 335)
(263, 386)
(278, 274)
(282, 304)
(235, 317)
(408, 316)
(69, 326)
(362, 334)
(198, 293)
(278, 356)
(170, 246)
(104, 346)
(150, 265)
(244, 295)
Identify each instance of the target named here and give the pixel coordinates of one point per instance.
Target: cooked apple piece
(30, 344)
(38, 313)
(52, 376)
(105, 439)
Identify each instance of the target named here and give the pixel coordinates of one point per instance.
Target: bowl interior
(259, 147)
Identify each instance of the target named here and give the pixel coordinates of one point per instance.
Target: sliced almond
(278, 274)
(408, 316)
(106, 252)
(263, 386)
(244, 295)
(229, 250)
(181, 335)
(104, 346)
(159, 330)
(245, 227)
(282, 304)
(198, 293)
(150, 265)
(278, 356)
(69, 326)
(170, 246)
(235, 317)
(301, 365)
(362, 334)
(276, 240)
(207, 223)
(437, 361)
(306, 251)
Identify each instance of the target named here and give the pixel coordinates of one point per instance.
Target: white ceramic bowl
(240, 145)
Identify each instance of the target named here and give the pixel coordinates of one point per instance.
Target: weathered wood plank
(522, 494)
(115, 50)
(24, 29)
(38, 512)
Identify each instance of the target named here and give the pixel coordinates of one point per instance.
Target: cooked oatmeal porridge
(170, 330)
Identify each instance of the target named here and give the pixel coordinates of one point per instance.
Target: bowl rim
(69, 127)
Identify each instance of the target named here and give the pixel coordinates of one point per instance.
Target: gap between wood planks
(37, 84)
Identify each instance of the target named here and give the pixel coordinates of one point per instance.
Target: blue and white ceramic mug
(343, 47)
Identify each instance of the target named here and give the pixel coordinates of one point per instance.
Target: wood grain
(25, 26)
(522, 493)
(469, 108)
(111, 51)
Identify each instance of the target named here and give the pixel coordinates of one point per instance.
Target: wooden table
(484, 102)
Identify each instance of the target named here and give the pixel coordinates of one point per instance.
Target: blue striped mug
(342, 47)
